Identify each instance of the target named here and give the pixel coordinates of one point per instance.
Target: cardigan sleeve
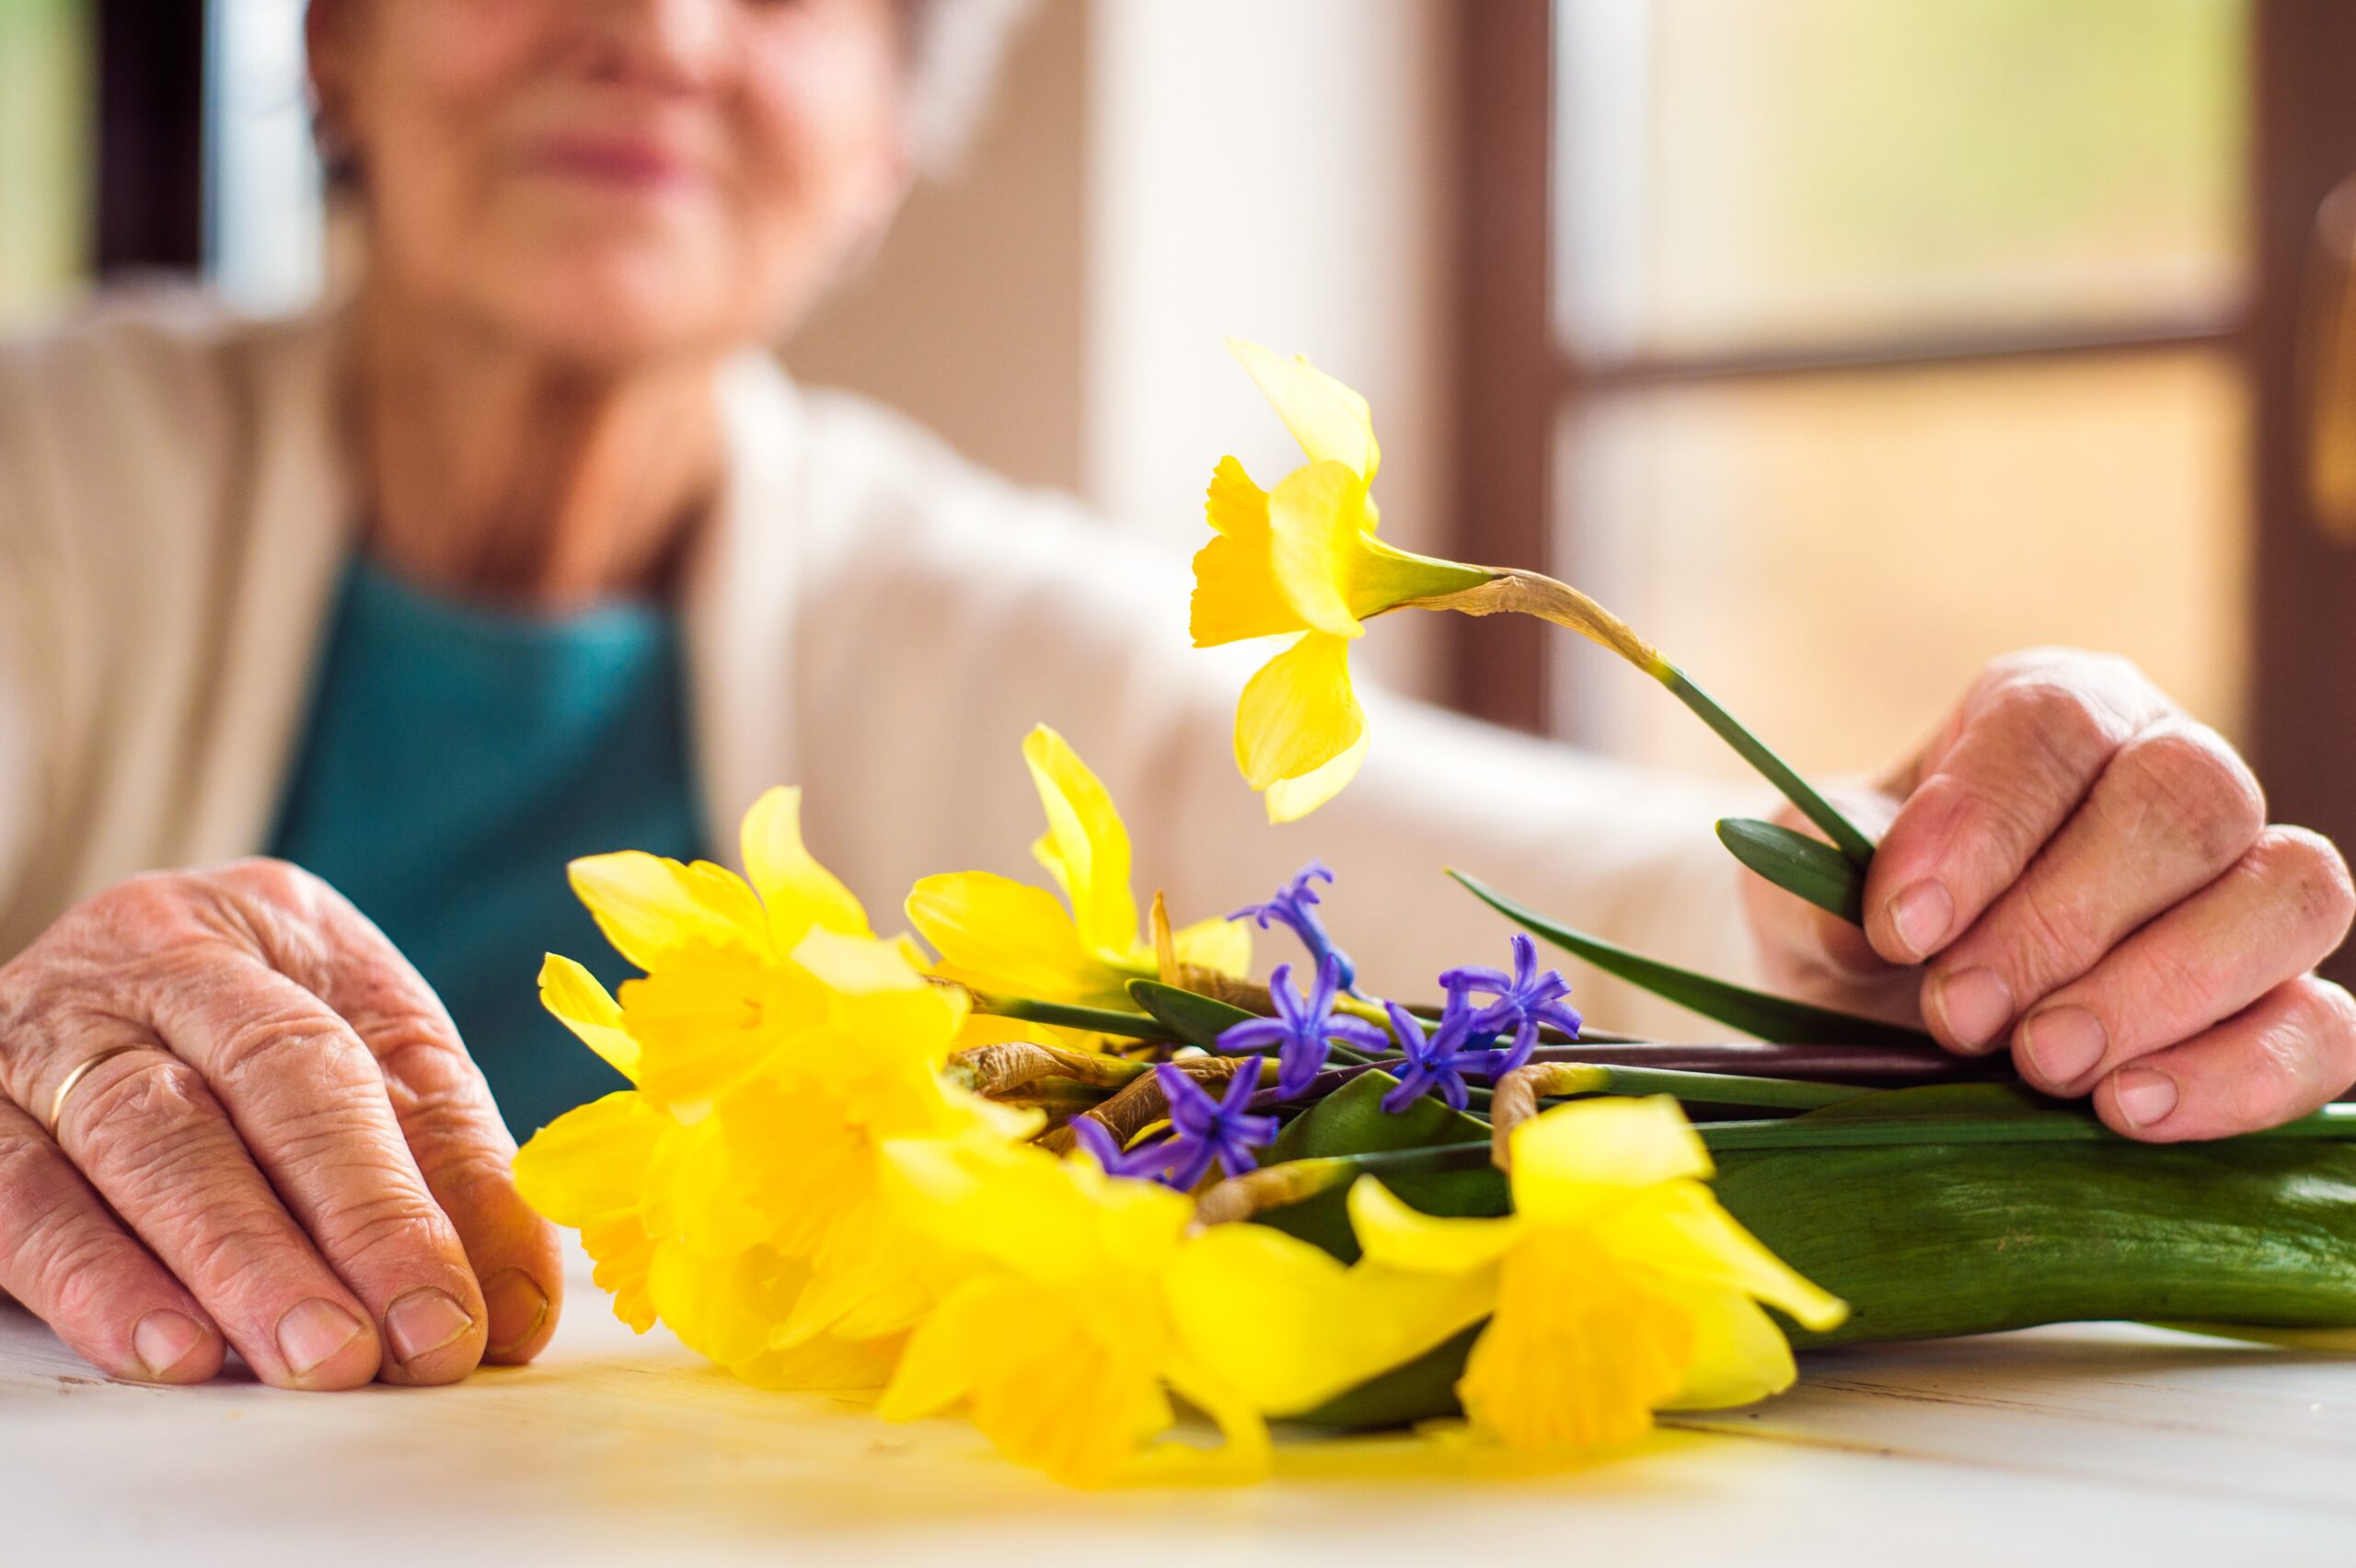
(941, 613)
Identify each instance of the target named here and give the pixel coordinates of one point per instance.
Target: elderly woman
(323, 643)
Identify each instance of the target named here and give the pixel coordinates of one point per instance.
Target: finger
(148, 1132)
(443, 1107)
(2032, 740)
(71, 1263)
(2291, 1053)
(308, 1099)
(2283, 909)
(2173, 808)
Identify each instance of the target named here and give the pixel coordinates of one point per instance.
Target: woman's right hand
(269, 1139)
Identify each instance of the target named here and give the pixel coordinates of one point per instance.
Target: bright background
(1777, 233)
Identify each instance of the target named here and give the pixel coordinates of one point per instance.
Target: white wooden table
(2083, 1445)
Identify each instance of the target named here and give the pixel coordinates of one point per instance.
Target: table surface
(2093, 1444)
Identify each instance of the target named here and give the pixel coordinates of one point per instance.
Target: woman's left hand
(2076, 872)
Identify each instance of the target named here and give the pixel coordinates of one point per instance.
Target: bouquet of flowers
(1067, 1167)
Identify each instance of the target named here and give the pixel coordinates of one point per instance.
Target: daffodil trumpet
(1302, 560)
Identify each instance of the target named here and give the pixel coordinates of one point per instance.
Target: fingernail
(422, 1321)
(516, 1306)
(312, 1331)
(2146, 1097)
(1974, 1005)
(163, 1339)
(1921, 916)
(2065, 1043)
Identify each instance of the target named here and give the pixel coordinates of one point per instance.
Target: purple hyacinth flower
(1524, 1000)
(1303, 1030)
(1143, 1164)
(1206, 1131)
(1438, 1061)
(1295, 905)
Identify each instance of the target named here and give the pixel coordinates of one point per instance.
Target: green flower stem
(1710, 1089)
(1843, 833)
(2333, 1123)
(1095, 1020)
(1508, 591)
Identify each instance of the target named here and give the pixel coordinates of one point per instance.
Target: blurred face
(614, 181)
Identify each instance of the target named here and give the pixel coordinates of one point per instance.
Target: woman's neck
(494, 473)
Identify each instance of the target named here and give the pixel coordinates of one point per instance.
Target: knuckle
(272, 882)
(2050, 935)
(149, 1117)
(278, 1046)
(392, 1224)
(2187, 776)
(2307, 868)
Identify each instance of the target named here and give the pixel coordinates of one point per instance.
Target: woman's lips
(618, 162)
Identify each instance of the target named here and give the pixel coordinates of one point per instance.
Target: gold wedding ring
(73, 1080)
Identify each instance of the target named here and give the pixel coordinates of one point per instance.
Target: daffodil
(1617, 1287)
(774, 1042)
(1005, 937)
(1062, 1342)
(1302, 560)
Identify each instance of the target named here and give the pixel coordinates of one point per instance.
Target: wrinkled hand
(282, 1145)
(2078, 872)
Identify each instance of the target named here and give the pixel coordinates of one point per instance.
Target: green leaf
(1930, 1239)
(1754, 1012)
(1351, 1119)
(1187, 1015)
(1798, 864)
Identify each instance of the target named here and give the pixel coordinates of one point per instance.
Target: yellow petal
(622, 1254)
(1236, 594)
(1004, 938)
(1289, 800)
(1401, 1238)
(1740, 1355)
(1575, 1358)
(936, 1369)
(1222, 946)
(1316, 1328)
(1330, 422)
(649, 906)
(581, 1005)
(1561, 1156)
(1316, 518)
(1681, 1231)
(1297, 713)
(798, 893)
(592, 1160)
(1087, 848)
(825, 1364)
(859, 965)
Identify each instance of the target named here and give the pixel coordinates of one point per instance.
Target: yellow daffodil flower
(1617, 1287)
(774, 1043)
(1006, 938)
(1302, 560)
(1063, 1342)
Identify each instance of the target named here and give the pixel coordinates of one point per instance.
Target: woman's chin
(616, 316)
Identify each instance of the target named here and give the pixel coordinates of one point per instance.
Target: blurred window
(45, 175)
(1890, 337)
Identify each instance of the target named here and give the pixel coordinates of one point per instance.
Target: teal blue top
(456, 758)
